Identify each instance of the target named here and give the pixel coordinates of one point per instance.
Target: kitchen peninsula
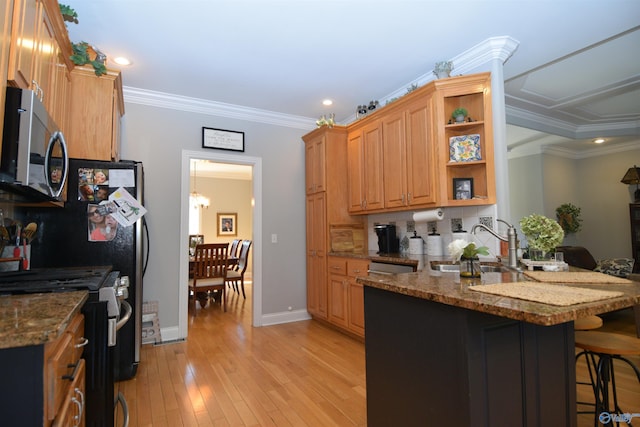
(438, 353)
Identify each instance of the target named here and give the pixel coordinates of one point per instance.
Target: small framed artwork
(227, 224)
(222, 139)
(462, 188)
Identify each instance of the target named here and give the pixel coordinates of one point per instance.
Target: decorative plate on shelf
(464, 148)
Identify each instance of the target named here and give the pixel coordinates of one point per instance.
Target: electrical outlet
(274, 238)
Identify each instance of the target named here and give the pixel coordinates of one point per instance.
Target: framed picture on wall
(227, 224)
(222, 139)
(462, 188)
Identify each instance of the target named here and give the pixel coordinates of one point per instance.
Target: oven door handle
(125, 317)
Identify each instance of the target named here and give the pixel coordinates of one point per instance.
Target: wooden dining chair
(233, 252)
(235, 276)
(210, 270)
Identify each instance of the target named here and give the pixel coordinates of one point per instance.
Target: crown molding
(212, 108)
(500, 48)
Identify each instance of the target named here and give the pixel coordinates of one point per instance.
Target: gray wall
(157, 136)
(540, 183)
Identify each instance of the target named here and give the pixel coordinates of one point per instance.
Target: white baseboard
(285, 317)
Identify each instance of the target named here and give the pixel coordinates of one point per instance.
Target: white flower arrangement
(541, 232)
(461, 248)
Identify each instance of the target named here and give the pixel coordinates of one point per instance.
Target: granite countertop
(448, 288)
(36, 319)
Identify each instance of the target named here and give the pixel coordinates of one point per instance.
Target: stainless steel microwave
(34, 162)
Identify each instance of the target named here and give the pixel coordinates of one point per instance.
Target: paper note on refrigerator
(123, 207)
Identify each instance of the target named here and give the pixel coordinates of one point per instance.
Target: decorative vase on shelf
(469, 267)
(443, 69)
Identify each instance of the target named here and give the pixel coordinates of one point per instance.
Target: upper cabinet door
(24, 43)
(315, 154)
(355, 174)
(373, 171)
(394, 159)
(420, 161)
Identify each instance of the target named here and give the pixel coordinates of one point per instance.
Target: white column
(500, 140)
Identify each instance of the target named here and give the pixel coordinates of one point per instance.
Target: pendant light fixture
(199, 199)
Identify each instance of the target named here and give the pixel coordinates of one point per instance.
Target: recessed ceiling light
(598, 141)
(121, 60)
(327, 102)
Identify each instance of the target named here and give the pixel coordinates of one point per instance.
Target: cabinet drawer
(78, 341)
(357, 267)
(337, 266)
(72, 411)
(59, 366)
(62, 365)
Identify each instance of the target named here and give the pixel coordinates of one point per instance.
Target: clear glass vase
(537, 254)
(469, 267)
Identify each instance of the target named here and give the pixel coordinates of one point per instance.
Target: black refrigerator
(67, 237)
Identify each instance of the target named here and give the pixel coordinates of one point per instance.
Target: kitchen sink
(485, 267)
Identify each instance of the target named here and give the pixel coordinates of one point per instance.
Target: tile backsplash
(467, 217)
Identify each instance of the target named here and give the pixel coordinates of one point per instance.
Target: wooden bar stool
(600, 350)
(587, 323)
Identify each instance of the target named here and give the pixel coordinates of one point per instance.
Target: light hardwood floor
(298, 374)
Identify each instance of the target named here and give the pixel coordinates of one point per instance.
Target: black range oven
(105, 312)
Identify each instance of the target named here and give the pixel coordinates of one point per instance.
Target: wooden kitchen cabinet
(316, 255)
(64, 376)
(356, 268)
(399, 158)
(338, 292)
(315, 163)
(326, 204)
(97, 106)
(39, 47)
(24, 44)
(346, 296)
(409, 169)
(44, 384)
(365, 168)
(473, 93)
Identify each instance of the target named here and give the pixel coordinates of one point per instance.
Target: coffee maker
(388, 242)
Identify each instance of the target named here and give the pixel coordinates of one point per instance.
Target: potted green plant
(467, 256)
(459, 114)
(569, 218)
(542, 233)
(68, 13)
(83, 51)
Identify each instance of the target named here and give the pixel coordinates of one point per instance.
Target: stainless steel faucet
(510, 238)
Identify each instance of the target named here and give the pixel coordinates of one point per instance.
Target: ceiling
(574, 75)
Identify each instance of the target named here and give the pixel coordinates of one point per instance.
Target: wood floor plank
(301, 374)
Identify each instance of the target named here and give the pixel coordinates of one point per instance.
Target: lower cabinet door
(72, 410)
(338, 300)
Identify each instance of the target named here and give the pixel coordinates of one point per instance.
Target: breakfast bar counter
(438, 352)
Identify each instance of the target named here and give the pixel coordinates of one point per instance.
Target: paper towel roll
(427, 216)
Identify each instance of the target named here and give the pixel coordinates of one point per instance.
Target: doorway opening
(213, 170)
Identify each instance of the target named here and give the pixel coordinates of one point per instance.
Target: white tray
(561, 265)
